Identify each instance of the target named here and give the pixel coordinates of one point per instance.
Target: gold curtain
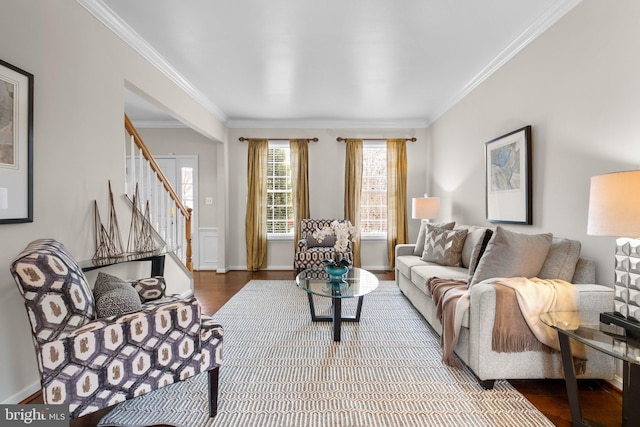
(300, 178)
(353, 190)
(397, 231)
(256, 216)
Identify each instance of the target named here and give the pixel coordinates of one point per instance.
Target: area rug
(281, 369)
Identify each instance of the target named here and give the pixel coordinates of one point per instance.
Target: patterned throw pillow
(150, 289)
(443, 246)
(114, 296)
(422, 233)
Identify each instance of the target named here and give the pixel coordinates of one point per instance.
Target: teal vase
(336, 274)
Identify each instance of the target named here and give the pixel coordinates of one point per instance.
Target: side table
(585, 328)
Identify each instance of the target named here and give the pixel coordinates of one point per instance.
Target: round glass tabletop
(357, 282)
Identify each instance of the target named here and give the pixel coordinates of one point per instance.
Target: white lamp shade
(614, 205)
(425, 207)
(4, 198)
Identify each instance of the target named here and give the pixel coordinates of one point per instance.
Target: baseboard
(25, 395)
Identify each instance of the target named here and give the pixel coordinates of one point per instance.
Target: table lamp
(614, 210)
(425, 207)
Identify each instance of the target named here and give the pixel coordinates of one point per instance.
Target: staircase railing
(167, 214)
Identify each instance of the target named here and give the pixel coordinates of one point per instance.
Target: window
(280, 219)
(187, 186)
(373, 209)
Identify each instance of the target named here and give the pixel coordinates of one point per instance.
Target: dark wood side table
(585, 328)
(156, 257)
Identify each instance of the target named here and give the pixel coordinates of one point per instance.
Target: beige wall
(80, 69)
(326, 186)
(578, 85)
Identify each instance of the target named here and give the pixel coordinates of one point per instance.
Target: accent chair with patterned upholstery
(91, 363)
(310, 252)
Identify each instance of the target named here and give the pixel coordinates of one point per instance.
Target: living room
(575, 84)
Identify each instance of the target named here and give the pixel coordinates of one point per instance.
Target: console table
(156, 257)
(607, 339)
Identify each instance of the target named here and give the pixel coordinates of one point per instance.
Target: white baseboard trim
(23, 394)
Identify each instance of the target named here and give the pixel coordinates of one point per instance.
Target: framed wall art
(16, 144)
(509, 177)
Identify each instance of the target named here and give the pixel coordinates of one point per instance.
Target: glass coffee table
(586, 328)
(357, 283)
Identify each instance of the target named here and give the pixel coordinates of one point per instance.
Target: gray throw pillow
(443, 246)
(114, 296)
(117, 302)
(511, 254)
(419, 248)
(327, 242)
(561, 260)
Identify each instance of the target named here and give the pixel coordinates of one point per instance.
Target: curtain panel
(397, 229)
(256, 216)
(299, 149)
(353, 190)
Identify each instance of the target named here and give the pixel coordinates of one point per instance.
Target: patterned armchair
(91, 363)
(310, 252)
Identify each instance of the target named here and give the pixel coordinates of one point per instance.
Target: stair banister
(184, 211)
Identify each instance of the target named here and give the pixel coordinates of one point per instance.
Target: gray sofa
(483, 247)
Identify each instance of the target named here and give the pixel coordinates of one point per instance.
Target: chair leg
(213, 391)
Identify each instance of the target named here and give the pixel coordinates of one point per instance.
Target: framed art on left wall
(16, 144)
(509, 177)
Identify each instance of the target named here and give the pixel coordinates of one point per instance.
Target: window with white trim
(280, 221)
(373, 208)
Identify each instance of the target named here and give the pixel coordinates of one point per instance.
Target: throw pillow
(150, 289)
(327, 242)
(105, 283)
(117, 302)
(419, 248)
(561, 260)
(443, 246)
(511, 254)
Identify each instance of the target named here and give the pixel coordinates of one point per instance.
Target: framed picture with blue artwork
(509, 177)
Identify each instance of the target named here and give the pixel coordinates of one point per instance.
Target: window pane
(373, 210)
(279, 197)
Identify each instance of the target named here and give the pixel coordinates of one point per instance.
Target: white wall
(326, 187)
(80, 69)
(162, 141)
(578, 85)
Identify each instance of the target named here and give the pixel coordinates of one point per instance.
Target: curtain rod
(341, 139)
(242, 138)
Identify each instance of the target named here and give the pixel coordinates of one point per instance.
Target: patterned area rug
(280, 369)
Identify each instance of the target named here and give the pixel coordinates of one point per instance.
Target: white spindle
(132, 167)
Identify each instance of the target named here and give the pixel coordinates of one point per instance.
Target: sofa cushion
(419, 249)
(561, 260)
(405, 263)
(421, 274)
(511, 254)
(443, 246)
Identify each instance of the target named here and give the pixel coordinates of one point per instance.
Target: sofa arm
(405, 249)
(169, 332)
(595, 299)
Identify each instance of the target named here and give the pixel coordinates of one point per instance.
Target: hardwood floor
(600, 402)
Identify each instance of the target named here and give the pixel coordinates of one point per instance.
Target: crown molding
(542, 24)
(111, 20)
(326, 124)
(159, 124)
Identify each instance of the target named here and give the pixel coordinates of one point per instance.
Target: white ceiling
(329, 63)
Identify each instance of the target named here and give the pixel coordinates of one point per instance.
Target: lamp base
(631, 327)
